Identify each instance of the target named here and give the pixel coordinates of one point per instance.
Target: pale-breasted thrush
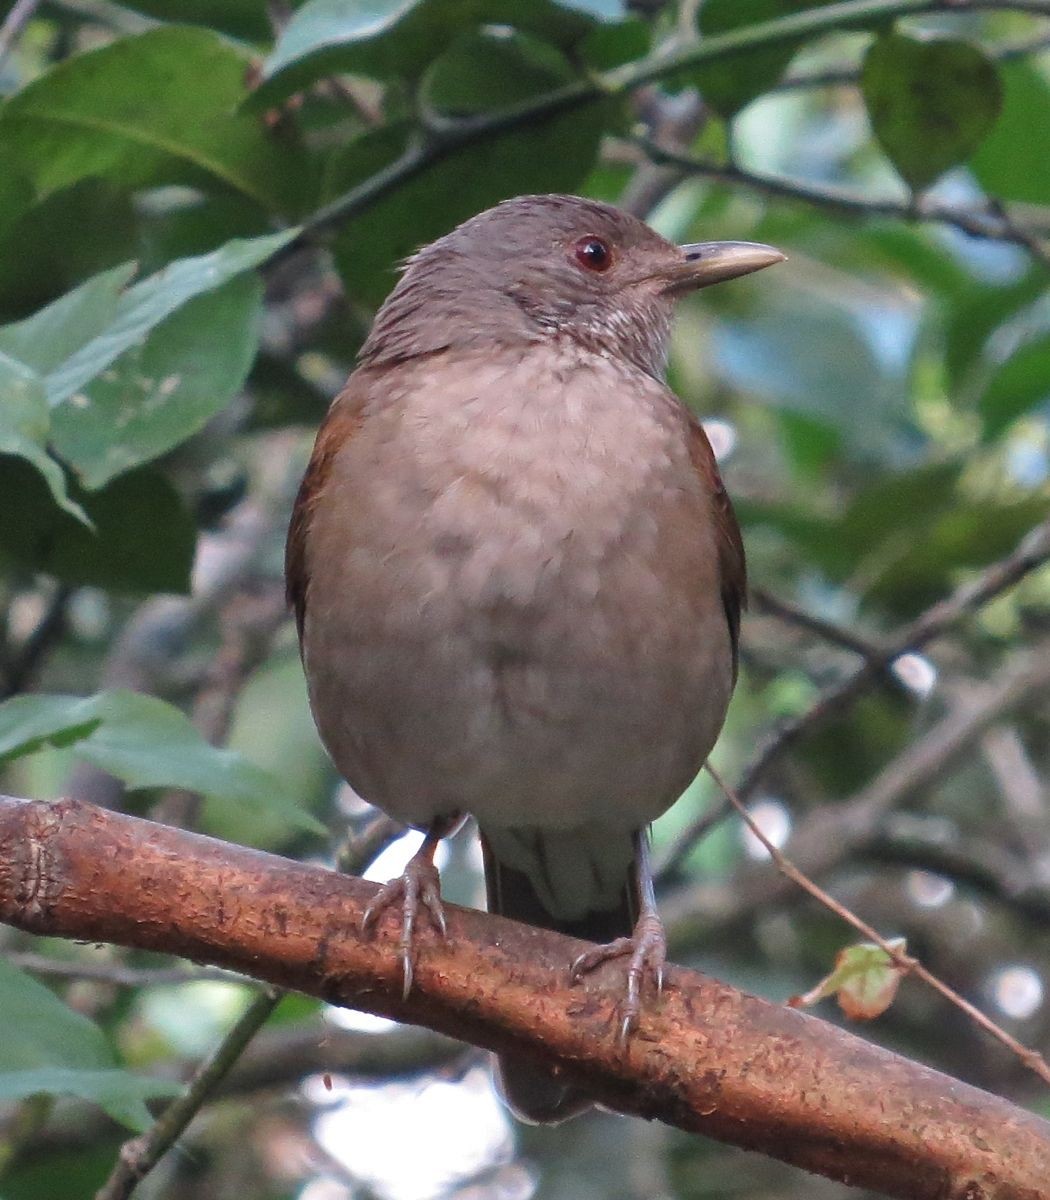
(517, 576)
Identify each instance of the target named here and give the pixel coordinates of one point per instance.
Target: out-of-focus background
(880, 405)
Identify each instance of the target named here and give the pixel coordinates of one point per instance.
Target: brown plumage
(518, 578)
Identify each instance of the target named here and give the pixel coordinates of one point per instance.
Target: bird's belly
(521, 680)
(520, 616)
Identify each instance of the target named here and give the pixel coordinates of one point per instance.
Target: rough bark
(707, 1058)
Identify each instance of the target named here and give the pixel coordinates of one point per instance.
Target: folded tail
(532, 1092)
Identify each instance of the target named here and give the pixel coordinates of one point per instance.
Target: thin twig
(1031, 1058)
(45, 636)
(992, 224)
(141, 1154)
(14, 23)
(1032, 552)
(366, 845)
(828, 631)
(673, 121)
(119, 975)
(830, 835)
(443, 138)
(848, 76)
(797, 26)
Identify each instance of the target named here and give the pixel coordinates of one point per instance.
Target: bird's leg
(647, 945)
(418, 883)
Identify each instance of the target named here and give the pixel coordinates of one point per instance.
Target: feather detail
(339, 426)
(731, 563)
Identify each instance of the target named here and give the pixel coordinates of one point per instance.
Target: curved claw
(647, 948)
(591, 959)
(419, 883)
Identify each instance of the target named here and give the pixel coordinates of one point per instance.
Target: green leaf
(398, 38)
(162, 391)
(810, 357)
(608, 46)
(50, 1034)
(733, 82)
(245, 19)
(917, 567)
(142, 538)
(481, 71)
(865, 980)
(893, 505)
(24, 427)
(1020, 383)
(886, 533)
(146, 304)
(63, 239)
(30, 723)
(46, 339)
(975, 315)
(1013, 162)
(930, 102)
(158, 108)
(120, 1094)
(550, 155)
(52, 1050)
(73, 340)
(147, 744)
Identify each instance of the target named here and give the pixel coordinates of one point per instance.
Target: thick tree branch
(140, 1155)
(708, 1058)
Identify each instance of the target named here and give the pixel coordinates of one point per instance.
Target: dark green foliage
(178, 306)
(931, 102)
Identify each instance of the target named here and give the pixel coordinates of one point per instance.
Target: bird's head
(538, 267)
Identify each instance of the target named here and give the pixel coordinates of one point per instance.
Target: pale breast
(514, 604)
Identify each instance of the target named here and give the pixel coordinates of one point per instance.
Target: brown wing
(340, 424)
(732, 567)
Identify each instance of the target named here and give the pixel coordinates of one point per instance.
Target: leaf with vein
(146, 743)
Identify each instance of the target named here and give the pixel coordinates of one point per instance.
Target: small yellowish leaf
(865, 981)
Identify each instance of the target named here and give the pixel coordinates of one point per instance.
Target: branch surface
(708, 1058)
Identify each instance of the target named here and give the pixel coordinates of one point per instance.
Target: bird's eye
(593, 253)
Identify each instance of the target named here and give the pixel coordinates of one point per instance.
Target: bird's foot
(417, 890)
(647, 948)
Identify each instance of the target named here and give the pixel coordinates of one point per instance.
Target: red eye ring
(593, 253)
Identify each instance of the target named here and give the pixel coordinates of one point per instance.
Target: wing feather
(732, 566)
(339, 426)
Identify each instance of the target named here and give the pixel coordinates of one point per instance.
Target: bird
(517, 578)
